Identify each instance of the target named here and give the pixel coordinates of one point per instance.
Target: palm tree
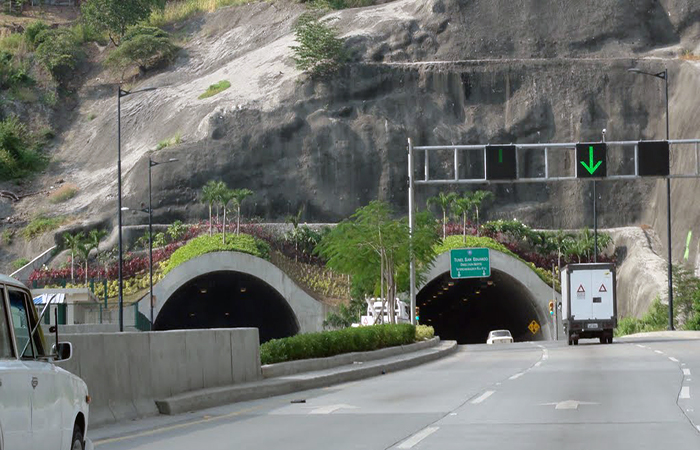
(561, 240)
(84, 248)
(294, 219)
(587, 242)
(444, 201)
(94, 238)
(209, 197)
(462, 206)
(72, 241)
(224, 196)
(478, 198)
(238, 195)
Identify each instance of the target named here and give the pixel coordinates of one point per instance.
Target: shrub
(19, 263)
(165, 143)
(656, 319)
(13, 43)
(206, 244)
(144, 47)
(41, 225)
(178, 11)
(63, 194)
(215, 89)
(7, 236)
(331, 343)
(32, 32)
(19, 151)
(320, 51)
(59, 52)
(424, 332)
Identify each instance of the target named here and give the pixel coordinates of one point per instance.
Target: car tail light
(88, 399)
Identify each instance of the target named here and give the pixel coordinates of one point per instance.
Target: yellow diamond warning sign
(534, 327)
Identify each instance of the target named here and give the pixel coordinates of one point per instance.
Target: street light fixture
(121, 93)
(664, 76)
(152, 164)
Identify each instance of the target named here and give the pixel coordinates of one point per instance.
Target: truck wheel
(603, 340)
(610, 339)
(575, 341)
(77, 442)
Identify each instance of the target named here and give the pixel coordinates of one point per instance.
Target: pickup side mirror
(63, 351)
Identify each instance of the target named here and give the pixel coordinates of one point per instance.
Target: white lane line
(516, 376)
(482, 397)
(698, 427)
(686, 372)
(538, 363)
(685, 392)
(659, 352)
(416, 438)
(672, 359)
(640, 346)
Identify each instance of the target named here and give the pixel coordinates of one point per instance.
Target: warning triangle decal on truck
(602, 288)
(580, 288)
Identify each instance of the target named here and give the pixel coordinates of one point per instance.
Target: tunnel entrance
(228, 299)
(466, 310)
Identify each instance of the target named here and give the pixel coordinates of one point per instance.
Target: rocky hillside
(437, 71)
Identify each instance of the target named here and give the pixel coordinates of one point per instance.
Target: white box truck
(589, 303)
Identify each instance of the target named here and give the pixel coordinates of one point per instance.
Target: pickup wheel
(77, 442)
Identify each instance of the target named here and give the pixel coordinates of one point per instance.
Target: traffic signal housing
(591, 160)
(417, 313)
(501, 162)
(551, 308)
(653, 159)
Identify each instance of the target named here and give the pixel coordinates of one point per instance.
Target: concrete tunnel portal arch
(466, 310)
(232, 289)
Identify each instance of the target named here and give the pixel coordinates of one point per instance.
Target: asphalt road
(636, 394)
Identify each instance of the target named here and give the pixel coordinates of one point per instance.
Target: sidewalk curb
(209, 398)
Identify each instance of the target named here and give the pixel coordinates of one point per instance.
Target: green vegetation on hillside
(40, 225)
(215, 89)
(19, 150)
(116, 16)
(144, 47)
(207, 244)
(184, 9)
(331, 343)
(63, 194)
(320, 52)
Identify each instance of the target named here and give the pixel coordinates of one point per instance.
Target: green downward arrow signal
(590, 167)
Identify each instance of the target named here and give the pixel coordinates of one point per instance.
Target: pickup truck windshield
(500, 334)
(23, 320)
(5, 340)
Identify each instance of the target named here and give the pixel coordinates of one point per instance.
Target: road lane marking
(483, 397)
(685, 392)
(176, 427)
(538, 363)
(686, 372)
(640, 346)
(330, 409)
(416, 438)
(659, 352)
(672, 359)
(516, 376)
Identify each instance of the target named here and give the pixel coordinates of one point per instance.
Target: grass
(63, 194)
(19, 263)
(91, 117)
(40, 225)
(244, 243)
(216, 89)
(7, 236)
(182, 10)
(14, 43)
(175, 140)
(688, 55)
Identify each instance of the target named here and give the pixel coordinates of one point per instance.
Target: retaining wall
(126, 372)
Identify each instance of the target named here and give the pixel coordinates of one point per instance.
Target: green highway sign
(470, 263)
(591, 160)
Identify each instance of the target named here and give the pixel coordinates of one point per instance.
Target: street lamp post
(152, 164)
(121, 93)
(664, 76)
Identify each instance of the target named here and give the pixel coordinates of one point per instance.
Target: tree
(478, 198)
(293, 235)
(374, 248)
(209, 196)
(686, 290)
(320, 51)
(59, 52)
(561, 240)
(116, 16)
(237, 196)
(462, 206)
(72, 242)
(84, 248)
(224, 196)
(145, 47)
(445, 202)
(94, 238)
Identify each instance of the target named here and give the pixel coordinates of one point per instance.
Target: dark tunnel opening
(228, 300)
(466, 310)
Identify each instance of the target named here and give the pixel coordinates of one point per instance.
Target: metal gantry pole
(595, 225)
(150, 240)
(119, 205)
(668, 217)
(411, 224)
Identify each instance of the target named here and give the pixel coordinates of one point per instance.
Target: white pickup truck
(42, 406)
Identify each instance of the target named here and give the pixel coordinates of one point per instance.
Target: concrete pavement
(529, 395)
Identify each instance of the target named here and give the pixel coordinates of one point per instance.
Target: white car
(42, 406)
(499, 337)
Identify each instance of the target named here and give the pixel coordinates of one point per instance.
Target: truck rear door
(602, 295)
